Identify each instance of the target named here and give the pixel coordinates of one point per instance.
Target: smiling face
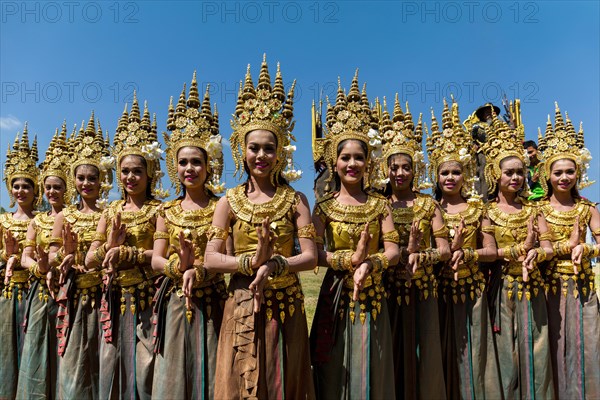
(23, 192)
(450, 177)
(400, 172)
(512, 175)
(54, 190)
(191, 167)
(134, 175)
(563, 175)
(87, 181)
(261, 153)
(351, 162)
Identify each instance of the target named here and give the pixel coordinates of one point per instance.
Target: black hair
(529, 143)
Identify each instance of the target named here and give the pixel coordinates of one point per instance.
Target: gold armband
(216, 232)
(245, 264)
(488, 229)
(307, 231)
(56, 240)
(341, 260)
(29, 243)
(161, 235)
(99, 237)
(391, 236)
(441, 233)
(546, 236)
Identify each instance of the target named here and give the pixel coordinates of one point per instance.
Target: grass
(311, 284)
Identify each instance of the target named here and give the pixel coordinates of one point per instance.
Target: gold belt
(20, 276)
(282, 282)
(370, 281)
(129, 277)
(514, 268)
(88, 279)
(564, 267)
(463, 272)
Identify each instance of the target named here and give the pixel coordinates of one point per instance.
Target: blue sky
(61, 60)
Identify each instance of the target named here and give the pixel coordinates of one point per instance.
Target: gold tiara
(21, 162)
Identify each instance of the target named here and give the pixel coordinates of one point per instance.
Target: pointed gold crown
(563, 142)
(452, 143)
(401, 136)
(351, 118)
(57, 160)
(136, 135)
(265, 107)
(21, 162)
(502, 142)
(194, 124)
(88, 147)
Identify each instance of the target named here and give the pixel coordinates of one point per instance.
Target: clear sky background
(61, 60)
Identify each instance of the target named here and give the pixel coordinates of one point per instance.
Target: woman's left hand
(360, 275)
(258, 284)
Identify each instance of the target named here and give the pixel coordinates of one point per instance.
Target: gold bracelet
(595, 252)
(541, 255)
(488, 229)
(596, 232)
(172, 267)
(546, 236)
(29, 243)
(307, 231)
(341, 260)
(141, 257)
(391, 236)
(200, 273)
(56, 240)
(99, 237)
(216, 232)
(282, 266)
(380, 262)
(245, 264)
(35, 270)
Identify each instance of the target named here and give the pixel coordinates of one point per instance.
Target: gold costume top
(246, 216)
(343, 226)
(140, 226)
(509, 230)
(195, 224)
(560, 269)
(43, 224)
(84, 225)
(20, 277)
(398, 278)
(470, 280)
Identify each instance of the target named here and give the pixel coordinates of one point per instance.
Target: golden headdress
(401, 136)
(562, 142)
(351, 118)
(265, 107)
(502, 142)
(21, 163)
(194, 124)
(89, 147)
(57, 159)
(137, 136)
(452, 143)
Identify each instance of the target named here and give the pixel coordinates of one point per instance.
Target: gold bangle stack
(35, 270)
(245, 264)
(200, 273)
(470, 255)
(513, 252)
(429, 257)
(172, 267)
(380, 262)
(562, 248)
(282, 267)
(541, 255)
(341, 260)
(99, 253)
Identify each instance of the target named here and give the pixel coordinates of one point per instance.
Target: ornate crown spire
(265, 107)
(452, 143)
(194, 124)
(21, 163)
(87, 149)
(502, 142)
(401, 137)
(135, 136)
(351, 118)
(563, 142)
(57, 160)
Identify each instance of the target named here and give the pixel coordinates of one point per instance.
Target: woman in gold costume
(78, 299)
(350, 339)
(21, 177)
(521, 319)
(573, 312)
(38, 370)
(189, 305)
(263, 345)
(122, 248)
(471, 370)
(411, 284)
